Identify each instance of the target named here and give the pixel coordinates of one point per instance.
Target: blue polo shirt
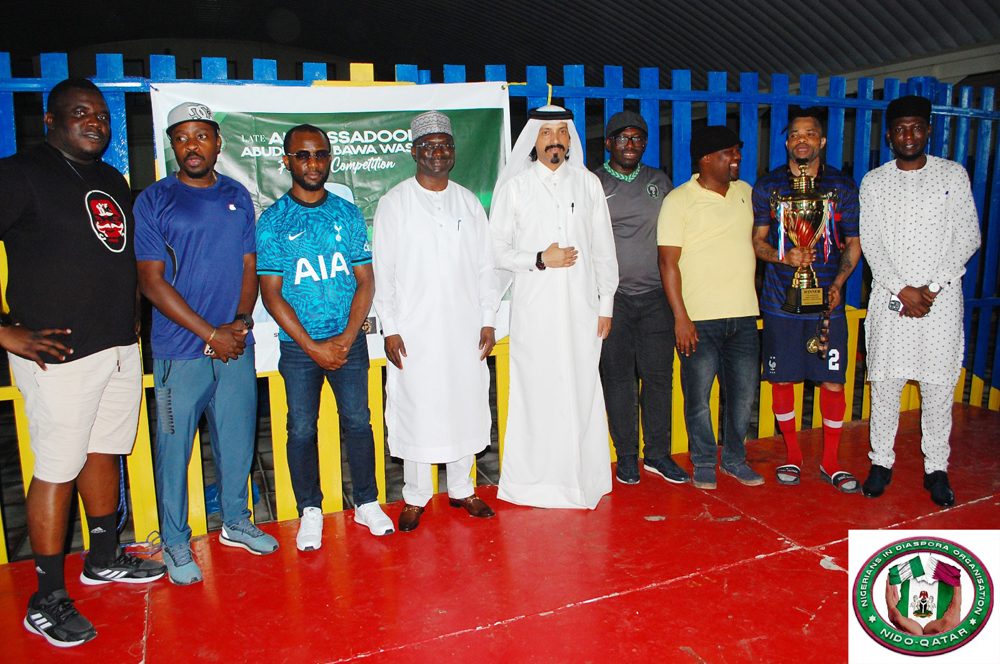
(201, 234)
(778, 276)
(314, 248)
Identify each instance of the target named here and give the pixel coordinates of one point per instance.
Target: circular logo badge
(923, 596)
(107, 220)
(652, 190)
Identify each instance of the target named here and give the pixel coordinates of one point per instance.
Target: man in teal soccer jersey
(316, 280)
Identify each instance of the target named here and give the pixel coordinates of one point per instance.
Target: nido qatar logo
(923, 596)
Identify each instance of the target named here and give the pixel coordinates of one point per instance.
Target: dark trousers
(640, 345)
(303, 383)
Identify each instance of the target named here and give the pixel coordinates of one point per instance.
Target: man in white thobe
(436, 294)
(551, 228)
(918, 229)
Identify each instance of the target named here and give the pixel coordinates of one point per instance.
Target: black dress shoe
(878, 479)
(409, 518)
(474, 506)
(937, 484)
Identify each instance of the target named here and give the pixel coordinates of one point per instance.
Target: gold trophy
(804, 215)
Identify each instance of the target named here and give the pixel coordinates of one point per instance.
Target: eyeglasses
(303, 156)
(430, 147)
(638, 141)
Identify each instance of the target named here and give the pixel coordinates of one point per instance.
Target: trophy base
(804, 301)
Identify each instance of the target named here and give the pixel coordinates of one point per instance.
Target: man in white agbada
(436, 294)
(918, 229)
(551, 228)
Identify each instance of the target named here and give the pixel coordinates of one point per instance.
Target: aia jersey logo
(107, 220)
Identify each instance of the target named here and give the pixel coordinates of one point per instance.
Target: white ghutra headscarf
(520, 155)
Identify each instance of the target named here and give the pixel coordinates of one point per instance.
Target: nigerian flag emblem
(923, 596)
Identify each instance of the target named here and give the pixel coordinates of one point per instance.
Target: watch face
(247, 320)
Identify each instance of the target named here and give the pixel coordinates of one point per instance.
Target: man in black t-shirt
(66, 221)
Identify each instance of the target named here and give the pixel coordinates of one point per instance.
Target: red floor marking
(657, 572)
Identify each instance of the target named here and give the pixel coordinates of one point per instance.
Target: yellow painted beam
(976, 393)
(854, 318)
(142, 488)
(678, 426)
(994, 403)
(197, 519)
(799, 390)
(331, 476)
(765, 414)
(3, 542)
(362, 72)
(502, 354)
(642, 440)
(283, 494)
(376, 406)
(866, 401)
(84, 530)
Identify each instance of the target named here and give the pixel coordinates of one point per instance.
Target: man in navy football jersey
(786, 360)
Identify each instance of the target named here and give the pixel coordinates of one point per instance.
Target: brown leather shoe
(409, 518)
(474, 506)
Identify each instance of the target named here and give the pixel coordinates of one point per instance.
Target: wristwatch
(247, 320)
(538, 262)
(934, 287)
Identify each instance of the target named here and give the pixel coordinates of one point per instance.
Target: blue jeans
(641, 343)
(730, 349)
(303, 382)
(227, 394)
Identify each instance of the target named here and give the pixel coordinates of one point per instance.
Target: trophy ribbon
(820, 343)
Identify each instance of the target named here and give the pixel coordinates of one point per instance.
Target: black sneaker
(55, 618)
(666, 468)
(627, 470)
(125, 569)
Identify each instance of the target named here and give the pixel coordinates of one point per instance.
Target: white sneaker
(371, 515)
(310, 535)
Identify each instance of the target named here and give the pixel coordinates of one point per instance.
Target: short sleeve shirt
(717, 261)
(635, 208)
(777, 276)
(69, 235)
(314, 248)
(201, 234)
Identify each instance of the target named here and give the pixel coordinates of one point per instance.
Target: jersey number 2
(834, 361)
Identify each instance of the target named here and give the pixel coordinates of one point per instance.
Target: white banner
(369, 131)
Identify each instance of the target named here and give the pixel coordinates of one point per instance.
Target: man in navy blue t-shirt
(786, 360)
(197, 259)
(316, 280)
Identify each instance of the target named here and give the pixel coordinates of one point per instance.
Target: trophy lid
(803, 183)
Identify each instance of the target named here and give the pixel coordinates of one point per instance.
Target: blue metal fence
(961, 132)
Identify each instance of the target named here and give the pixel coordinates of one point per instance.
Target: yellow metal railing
(142, 491)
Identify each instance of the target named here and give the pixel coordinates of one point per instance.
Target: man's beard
(910, 157)
(555, 155)
(310, 186)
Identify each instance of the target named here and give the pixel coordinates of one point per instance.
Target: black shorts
(784, 353)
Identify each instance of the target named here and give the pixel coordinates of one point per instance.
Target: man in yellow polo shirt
(707, 266)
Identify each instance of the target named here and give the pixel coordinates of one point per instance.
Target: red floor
(657, 572)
